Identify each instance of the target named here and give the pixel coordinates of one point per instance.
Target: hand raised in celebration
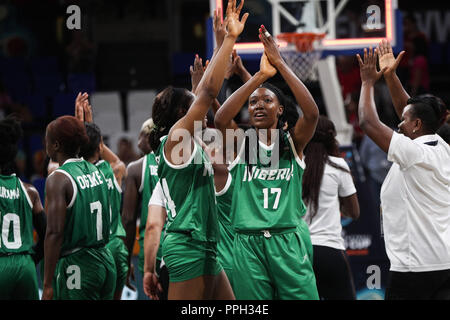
(270, 47)
(266, 68)
(197, 72)
(233, 24)
(368, 67)
(219, 27)
(386, 57)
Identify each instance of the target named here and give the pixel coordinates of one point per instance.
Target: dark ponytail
(169, 106)
(321, 145)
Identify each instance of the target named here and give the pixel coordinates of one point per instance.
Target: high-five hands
(232, 22)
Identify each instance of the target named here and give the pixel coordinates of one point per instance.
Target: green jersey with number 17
(190, 194)
(16, 217)
(267, 197)
(115, 198)
(87, 221)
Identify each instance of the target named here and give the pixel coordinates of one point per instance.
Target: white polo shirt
(415, 203)
(325, 227)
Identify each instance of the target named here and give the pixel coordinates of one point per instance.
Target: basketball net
(302, 53)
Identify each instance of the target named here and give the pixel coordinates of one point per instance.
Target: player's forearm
(52, 249)
(398, 94)
(233, 105)
(151, 246)
(301, 93)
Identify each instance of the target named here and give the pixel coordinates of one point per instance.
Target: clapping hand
(270, 47)
(386, 57)
(368, 67)
(233, 24)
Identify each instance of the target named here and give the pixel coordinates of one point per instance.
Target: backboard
(350, 25)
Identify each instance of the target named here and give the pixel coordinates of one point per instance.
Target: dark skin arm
(389, 64)
(59, 191)
(39, 221)
(305, 127)
(131, 198)
(368, 118)
(350, 206)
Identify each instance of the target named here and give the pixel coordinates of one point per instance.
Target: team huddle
(252, 214)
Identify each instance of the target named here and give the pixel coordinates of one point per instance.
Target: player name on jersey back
(90, 180)
(9, 193)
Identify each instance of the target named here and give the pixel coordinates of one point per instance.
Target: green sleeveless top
(149, 179)
(264, 197)
(115, 198)
(16, 217)
(88, 221)
(225, 244)
(190, 194)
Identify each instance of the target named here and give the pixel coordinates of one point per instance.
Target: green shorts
(306, 237)
(87, 274)
(18, 279)
(120, 255)
(273, 266)
(187, 258)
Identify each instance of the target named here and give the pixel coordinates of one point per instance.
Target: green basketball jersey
(190, 194)
(265, 197)
(88, 221)
(225, 244)
(149, 179)
(115, 198)
(16, 216)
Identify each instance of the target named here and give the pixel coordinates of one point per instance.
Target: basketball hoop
(302, 53)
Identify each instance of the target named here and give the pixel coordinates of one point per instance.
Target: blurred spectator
(348, 74)
(410, 32)
(126, 151)
(80, 54)
(419, 76)
(39, 158)
(8, 106)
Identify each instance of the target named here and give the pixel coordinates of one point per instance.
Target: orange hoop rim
(302, 40)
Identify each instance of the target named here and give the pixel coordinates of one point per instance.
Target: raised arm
(212, 80)
(58, 189)
(388, 62)
(368, 118)
(305, 127)
(83, 111)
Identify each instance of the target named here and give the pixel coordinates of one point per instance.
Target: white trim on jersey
(238, 157)
(116, 183)
(301, 162)
(26, 194)
(226, 187)
(180, 166)
(144, 165)
(74, 185)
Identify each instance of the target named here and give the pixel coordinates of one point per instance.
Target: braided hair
(10, 133)
(169, 106)
(290, 116)
(322, 145)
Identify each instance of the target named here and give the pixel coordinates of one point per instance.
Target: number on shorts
(8, 219)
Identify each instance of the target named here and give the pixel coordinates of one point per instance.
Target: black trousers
(333, 275)
(431, 285)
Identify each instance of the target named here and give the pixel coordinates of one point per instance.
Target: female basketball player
(186, 177)
(415, 200)
(77, 263)
(272, 248)
(113, 170)
(327, 184)
(20, 210)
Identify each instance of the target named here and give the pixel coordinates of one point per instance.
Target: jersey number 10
(6, 225)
